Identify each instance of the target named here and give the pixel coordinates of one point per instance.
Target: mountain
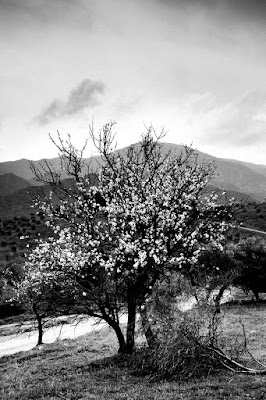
(240, 179)
(23, 169)
(233, 175)
(10, 183)
(261, 169)
(19, 168)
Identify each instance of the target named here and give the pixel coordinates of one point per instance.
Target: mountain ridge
(233, 175)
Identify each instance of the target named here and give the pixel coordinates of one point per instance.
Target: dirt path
(23, 339)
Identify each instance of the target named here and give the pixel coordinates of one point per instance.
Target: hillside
(235, 176)
(19, 168)
(11, 183)
(19, 204)
(232, 175)
(261, 169)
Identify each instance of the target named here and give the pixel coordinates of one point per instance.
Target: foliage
(18, 236)
(214, 274)
(42, 297)
(147, 216)
(251, 255)
(252, 215)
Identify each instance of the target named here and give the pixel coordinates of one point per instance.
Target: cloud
(18, 12)
(85, 94)
(53, 111)
(127, 105)
(3, 151)
(240, 123)
(247, 8)
(35, 7)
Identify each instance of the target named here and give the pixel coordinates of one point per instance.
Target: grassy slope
(87, 369)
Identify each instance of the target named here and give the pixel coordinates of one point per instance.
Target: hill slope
(10, 183)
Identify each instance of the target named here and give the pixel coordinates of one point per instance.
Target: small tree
(251, 255)
(216, 271)
(115, 240)
(9, 276)
(39, 292)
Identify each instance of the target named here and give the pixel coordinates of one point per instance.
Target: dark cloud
(249, 9)
(53, 111)
(43, 11)
(86, 94)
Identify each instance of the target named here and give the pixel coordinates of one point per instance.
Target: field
(88, 368)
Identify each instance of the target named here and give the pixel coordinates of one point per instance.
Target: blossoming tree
(146, 216)
(39, 290)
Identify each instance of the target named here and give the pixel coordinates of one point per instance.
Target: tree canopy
(147, 214)
(250, 253)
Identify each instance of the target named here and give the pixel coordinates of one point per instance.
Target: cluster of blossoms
(163, 219)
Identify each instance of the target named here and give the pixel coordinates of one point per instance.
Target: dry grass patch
(88, 368)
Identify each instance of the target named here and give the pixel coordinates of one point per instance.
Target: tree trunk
(120, 338)
(39, 324)
(218, 298)
(131, 321)
(150, 336)
(256, 294)
(119, 334)
(40, 330)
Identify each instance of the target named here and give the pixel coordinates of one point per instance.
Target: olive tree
(145, 214)
(250, 253)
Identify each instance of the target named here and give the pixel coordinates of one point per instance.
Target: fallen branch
(238, 367)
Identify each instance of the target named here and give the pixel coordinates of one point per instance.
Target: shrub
(8, 310)
(251, 255)
(183, 351)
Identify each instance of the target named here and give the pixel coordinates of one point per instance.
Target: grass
(88, 368)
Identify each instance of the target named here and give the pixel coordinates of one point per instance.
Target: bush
(183, 341)
(183, 351)
(251, 255)
(10, 310)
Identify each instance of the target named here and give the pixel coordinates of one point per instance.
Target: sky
(195, 68)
